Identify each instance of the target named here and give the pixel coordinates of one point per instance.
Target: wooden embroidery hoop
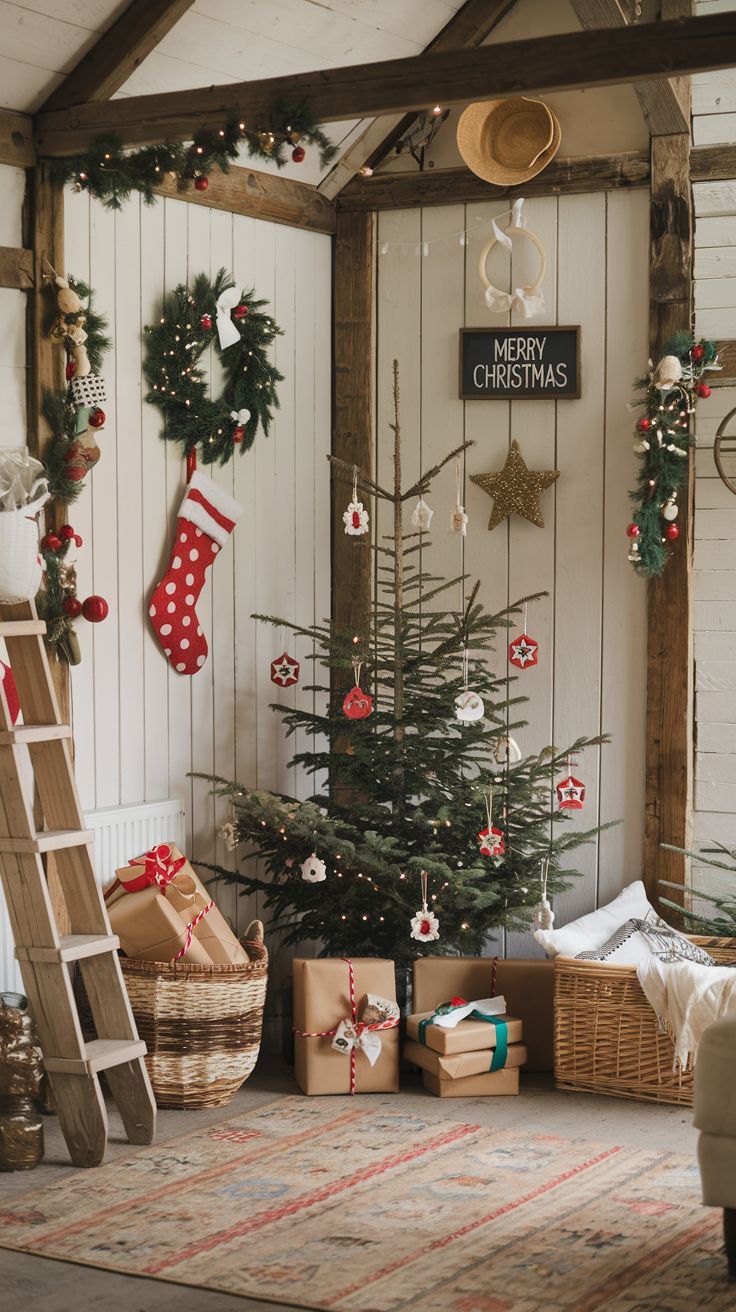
(720, 450)
(509, 226)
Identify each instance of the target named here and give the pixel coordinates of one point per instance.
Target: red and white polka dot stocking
(207, 517)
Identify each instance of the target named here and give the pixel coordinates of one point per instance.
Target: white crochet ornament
(355, 518)
(313, 870)
(425, 927)
(421, 516)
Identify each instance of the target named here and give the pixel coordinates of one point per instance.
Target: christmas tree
(422, 806)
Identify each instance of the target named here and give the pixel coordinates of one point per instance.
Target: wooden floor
(28, 1281)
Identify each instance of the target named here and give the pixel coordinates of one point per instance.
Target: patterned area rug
(345, 1206)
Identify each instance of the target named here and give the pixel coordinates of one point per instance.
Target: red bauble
(51, 542)
(698, 352)
(633, 530)
(298, 154)
(71, 369)
(240, 311)
(238, 432)
(95, 609)
(357, 704)
(703, 390)
(644, 425)
(201, 183)
(71, 606)
(672, 532)
(66, 531)
(97, 418)
(205, 323)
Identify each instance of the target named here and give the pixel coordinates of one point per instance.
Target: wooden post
(352, 439)
(669, 721)
(44, 233)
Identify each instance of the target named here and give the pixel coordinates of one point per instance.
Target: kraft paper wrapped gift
(528, 987)
(463, 1064)
(495, 1085)
(466, 1036)
(157, 905)
(321, 1001)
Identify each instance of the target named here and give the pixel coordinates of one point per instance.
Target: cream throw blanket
(687, 999)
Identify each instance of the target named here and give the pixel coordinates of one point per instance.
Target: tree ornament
(421, 516)
(491, 840)
(298, 154)
(644, 425)
(571, 792)
(468, 704)
(670, 509)
(205, 322)
(524, 650)
(95, 609)
(672, 532)
(207, 517)
(667, 374)
(97, 418)
(201, 183)
(516, 489)
(66, 532)
(458, 517)
(72, 607)
(702, 390)
(51, 542)
(425, 927)
(193, 418)
(633, 530)
(357, 704)
(508, 751)
(285, 670)
(355, 518)
(544, 916)
(313, 870)
(698, 352)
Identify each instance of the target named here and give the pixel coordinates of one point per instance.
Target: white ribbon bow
(226, 329)
(527, 305)
(348, 1037)
(240, 416)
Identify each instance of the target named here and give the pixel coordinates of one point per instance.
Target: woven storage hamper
(201, 1024)
(607, 1037)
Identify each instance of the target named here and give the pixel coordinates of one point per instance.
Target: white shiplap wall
(714, 122)
(140, 728)
(591, 627)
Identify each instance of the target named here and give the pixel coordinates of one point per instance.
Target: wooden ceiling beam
(262, 196)
(553, 63)
(467, 28)
(118, 52)
(665, 102)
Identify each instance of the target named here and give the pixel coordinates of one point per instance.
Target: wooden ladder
(44, 955)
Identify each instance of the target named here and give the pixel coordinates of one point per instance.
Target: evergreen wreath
(187, 327)
(663, 440)
(111, 174)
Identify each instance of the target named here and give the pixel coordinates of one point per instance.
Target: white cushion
(591, 931)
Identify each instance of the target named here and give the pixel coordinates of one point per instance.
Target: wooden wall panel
(592, 667)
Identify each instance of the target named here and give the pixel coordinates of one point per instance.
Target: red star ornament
(523, 651)
(285, 671)
(491, 842)
(570, 794)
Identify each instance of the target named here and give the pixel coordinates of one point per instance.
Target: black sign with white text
(526, 363)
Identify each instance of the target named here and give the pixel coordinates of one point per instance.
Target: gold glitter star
(516, 489)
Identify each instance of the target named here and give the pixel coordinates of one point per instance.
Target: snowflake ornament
(355, 519)
(523, 651)
(570, 794)
(425, 927)
(491, 842)
(285, 671)
(313, 870)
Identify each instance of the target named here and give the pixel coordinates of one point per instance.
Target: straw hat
(508, 141)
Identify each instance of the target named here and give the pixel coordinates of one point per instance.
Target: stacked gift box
(346, 1037)
(467, 1048)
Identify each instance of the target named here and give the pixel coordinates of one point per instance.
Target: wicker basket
(201, 1024)
(607, 1037)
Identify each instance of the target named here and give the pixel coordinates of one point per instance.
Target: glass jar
(21, 1076)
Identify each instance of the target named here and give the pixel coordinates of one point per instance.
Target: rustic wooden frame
(523, 396)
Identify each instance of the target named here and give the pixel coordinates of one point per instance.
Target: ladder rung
(34, 733)
(99, 1055)
(72, 947)
(21, 628)
(51, 840)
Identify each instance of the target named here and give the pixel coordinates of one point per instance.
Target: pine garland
(57, 601)
(663, 439)
(179, 388)
(111, 174)
(64, 454)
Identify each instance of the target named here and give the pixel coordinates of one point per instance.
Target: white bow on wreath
(227, 331)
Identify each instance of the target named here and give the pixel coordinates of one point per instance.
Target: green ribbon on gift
(501, 1050)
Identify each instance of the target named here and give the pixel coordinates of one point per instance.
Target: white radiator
(120, 833)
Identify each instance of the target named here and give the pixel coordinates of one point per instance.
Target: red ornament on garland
(491, 842)
(205, 323)
(97, 418)
(698, 352)
(66, 532)
(298, 154)
(72, 607)
(201, 183)
(702, 389)
(11, 692)
(672, 532)
(285, 670)
(238, 433)
(95, 609)
(51, 542)
(240, 311)
(644, 425)
(71, 369)
(633, 530)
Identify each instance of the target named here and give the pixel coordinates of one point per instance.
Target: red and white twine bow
(159, 867)
(360, 1027)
